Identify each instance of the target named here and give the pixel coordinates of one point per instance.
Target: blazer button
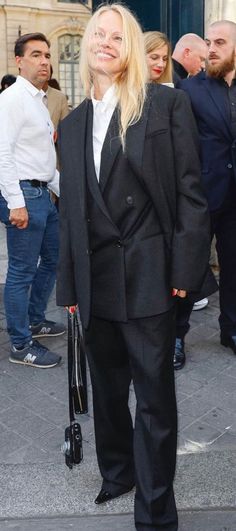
(229, 166)
(129, 200)
(119, 243)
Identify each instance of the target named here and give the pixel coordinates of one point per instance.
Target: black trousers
(223, 226)
(141, 350)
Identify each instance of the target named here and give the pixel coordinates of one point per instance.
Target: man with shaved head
(189, 56)
(213, 98)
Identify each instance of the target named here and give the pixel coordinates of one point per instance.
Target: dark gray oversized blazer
(142, 256)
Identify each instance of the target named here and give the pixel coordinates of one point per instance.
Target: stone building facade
(62, 21)
(219, 10)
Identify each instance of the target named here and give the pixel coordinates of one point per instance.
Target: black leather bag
(77, 385)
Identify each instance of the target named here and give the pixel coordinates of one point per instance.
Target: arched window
(69, 46)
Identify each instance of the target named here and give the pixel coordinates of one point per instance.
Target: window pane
(69, 48)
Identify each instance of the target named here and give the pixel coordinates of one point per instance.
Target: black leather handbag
(77, 386)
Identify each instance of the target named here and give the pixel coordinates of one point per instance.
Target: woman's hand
(179, 292)
(72, 309)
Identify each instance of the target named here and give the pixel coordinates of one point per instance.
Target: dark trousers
(141, 350)
(183, 311)
(223, 226)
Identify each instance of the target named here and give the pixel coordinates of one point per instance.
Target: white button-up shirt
(27, 148)
(102, 113)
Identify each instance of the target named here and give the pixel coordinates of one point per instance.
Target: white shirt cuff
(16, 202)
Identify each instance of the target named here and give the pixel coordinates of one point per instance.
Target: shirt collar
(29, 86)
(224, 82)
(109, 99)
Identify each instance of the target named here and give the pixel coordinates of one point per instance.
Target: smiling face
(157, 62)
(104, 53)
(34, 65)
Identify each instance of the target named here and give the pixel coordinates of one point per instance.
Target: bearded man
(213, 98)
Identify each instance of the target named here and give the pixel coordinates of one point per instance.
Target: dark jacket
(217, 145)
(179, 71)
(144, 253)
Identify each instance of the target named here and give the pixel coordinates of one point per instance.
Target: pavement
(39, 493)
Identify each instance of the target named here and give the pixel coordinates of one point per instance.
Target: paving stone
(195, 406)
(201, 433)
(232, 371)
(187, 384)
(180, 395)
(13, 388)
(225, 441)
(226, 381)
(10, 441)
(212, 394)
(34, 414)
(6, 402)
(184, 421)
(229, 403)
(222, 419)
(202, 331)
(24, 422)
(188, 521)
(51, 441)
(31, 454)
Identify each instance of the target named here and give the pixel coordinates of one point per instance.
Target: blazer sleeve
(65, 286)
(191, 240)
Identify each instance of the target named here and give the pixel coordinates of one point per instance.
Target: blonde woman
(158, 56)
(131, 208)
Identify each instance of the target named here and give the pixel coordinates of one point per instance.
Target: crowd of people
(147, 178)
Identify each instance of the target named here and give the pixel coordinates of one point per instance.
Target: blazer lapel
(110, 150)
(94, 186)
(136, 135)
(134, 143)
(215, 92)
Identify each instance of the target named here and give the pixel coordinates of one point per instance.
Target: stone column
(229, 10)
(219, 10)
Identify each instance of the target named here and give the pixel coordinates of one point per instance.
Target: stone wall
(52, 18)
(219, 10)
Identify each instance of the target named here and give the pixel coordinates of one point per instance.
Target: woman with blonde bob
(131, 207)
(158, 56)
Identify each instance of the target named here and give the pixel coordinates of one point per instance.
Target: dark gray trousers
(141, 350)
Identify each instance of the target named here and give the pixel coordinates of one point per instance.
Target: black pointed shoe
(228, 341)
(105, 496)
(179, 355)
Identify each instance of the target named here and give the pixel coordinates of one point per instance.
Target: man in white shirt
(27, 171)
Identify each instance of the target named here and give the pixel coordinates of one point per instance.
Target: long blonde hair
(131, 81)
(156, 39)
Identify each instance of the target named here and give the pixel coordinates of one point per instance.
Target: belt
(35, 183)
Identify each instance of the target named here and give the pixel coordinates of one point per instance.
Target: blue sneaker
(47, 329)
(35, 355)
